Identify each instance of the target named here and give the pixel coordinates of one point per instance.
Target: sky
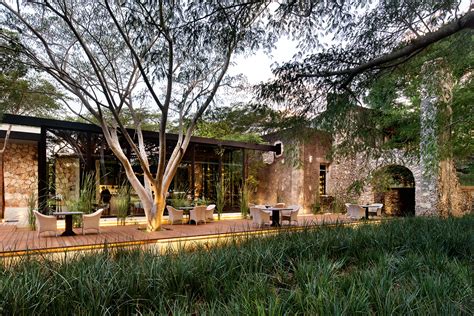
(257, 67)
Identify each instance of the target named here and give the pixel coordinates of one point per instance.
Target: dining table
(366, 208)
(68, 218)
(276, 214)
(186, 210)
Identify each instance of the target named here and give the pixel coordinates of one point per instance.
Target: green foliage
(122, 202)
(404, 266)
(244, 200)
(179, 198)
(241, 122)
(221, 192)
(22, 91)
(87, 198)
(32, 202)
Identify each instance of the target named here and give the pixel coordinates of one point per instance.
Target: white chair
(198, 214)
(45, 223)
(376, 208)
(355, 211)
(291, 216)
(260, 216)
(91, 221)
(174, 215)
(210, 212)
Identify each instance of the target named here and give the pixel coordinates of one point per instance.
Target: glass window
(322, 179)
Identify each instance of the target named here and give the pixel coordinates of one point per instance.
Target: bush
(403, 266)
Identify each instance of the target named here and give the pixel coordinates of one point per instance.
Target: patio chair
(279, 205)
(355, 211)
(376, 208)
(198, 214)
(291, 216)
(174, 215)
(260, 216)
(92, 221)
(210, 212)
(45, 223)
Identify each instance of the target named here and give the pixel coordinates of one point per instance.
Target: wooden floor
(18, 241)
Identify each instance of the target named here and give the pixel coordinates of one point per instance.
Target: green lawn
(419, 266)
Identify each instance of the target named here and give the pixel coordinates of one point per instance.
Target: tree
(114, 56)
(22, 91)
(372, 43)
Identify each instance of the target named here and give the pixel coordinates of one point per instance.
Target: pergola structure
(204, 161)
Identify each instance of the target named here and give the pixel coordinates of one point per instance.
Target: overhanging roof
(84, 127)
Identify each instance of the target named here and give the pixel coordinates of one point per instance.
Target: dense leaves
(403, 266)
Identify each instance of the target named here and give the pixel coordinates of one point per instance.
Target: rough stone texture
(453, 199)
(20, 173)
(294, 177)
(20, 178)
(67, 177)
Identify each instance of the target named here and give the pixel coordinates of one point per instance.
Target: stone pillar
(427, 191)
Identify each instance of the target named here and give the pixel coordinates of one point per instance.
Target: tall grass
(408, 266)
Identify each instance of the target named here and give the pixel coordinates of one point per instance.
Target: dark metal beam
(21, 136)
(83, 127)
(42, 172)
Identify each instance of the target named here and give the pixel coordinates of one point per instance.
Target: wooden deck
(19, 241)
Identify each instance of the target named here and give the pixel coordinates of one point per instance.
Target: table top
(279, 208)
(185, 208)
(66, 213)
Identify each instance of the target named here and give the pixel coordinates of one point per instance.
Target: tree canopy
(171, 57)
(22, 90)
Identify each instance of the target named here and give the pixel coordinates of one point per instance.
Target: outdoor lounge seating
(376, 208)
(210, 212)
(45, 223)
(174, 215)
(291, 216)
(198, 214)
(91, 221)
(260, 216)
(355, 211)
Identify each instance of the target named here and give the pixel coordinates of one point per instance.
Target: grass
(421, 266)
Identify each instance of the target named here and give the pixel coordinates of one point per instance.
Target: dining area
(199, 214)
(273, 215)
(49, 223)
(364, 211)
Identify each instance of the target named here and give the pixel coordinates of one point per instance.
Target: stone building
(36, 165)
(305, 175)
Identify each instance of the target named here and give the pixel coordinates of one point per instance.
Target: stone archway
(394, 187)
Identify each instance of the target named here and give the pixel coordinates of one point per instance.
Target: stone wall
(67, 177)
(20, 179)
(292, 178)
(20, 173)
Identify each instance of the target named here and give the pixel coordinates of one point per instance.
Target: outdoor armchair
(210, 212)
(198, 214)
(174, 215)
(355, 211)
(376, 208)
(260, 216)
(291, 216)
(91, 221)
(45, 223)
(279, 205)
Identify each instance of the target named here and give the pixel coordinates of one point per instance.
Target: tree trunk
(156, 214)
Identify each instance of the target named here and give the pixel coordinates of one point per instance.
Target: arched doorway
(394, 186)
